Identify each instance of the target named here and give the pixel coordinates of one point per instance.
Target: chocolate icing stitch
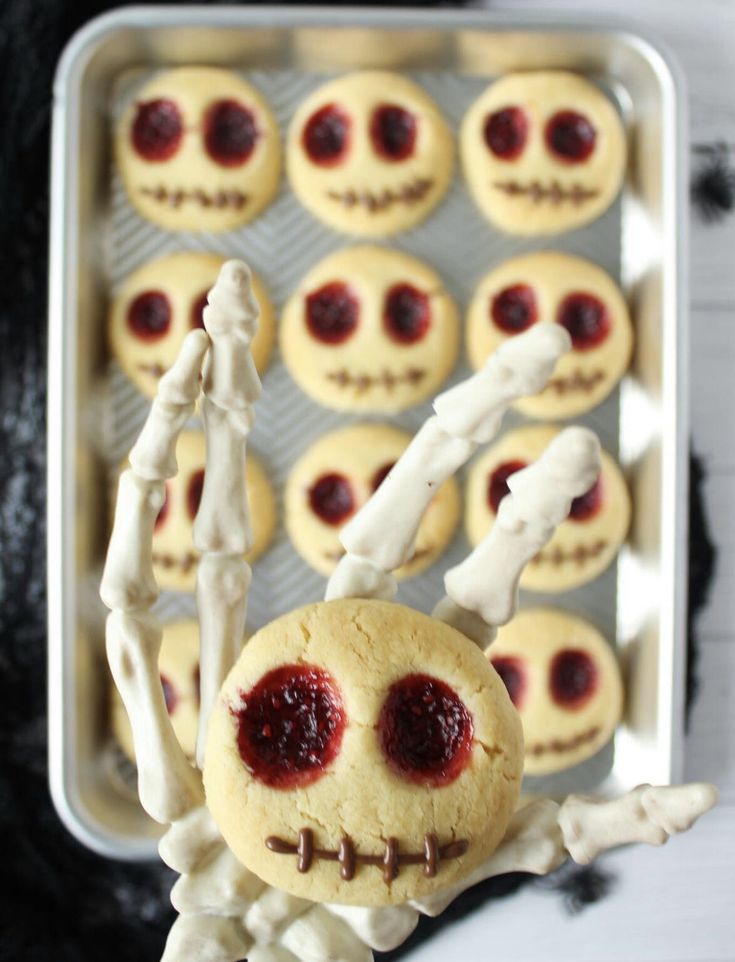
(577, 381)
(410, 193)
(581, 553)
(338, 554)
(175, 198)
(349, 858)
(386, 379)
(563, 745)
(185, 562)
(155, 370)
(555, 194)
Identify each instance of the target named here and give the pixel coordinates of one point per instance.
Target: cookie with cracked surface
(198, 149)
(369, 153)
(555, 288)
(371, 330)
(564, 679)
(362, 752)
(333, 479)
(542, 152)
(157, 306)
(584, 545)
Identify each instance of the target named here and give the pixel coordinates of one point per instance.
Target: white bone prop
(384, 530)
(206, 938)
(485, 584)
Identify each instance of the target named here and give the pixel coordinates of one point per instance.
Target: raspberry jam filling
(149, 315)
(326, 136)
(380, 475)
(331, 498)
(157, 130)
(406, 314)
(194, 493)
(393, 132)
(570, 136)
(169, 695)
(514, 309)
(587, 505)
(425, 731)
(513, 676)
(505, 132)
(573, 678)
(586, 318)
(290, 726)
(497, 485)
(196, 317)
(332, 313)
(161, 516)
(230, 133)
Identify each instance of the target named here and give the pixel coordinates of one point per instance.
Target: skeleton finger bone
(318, 935)
(206, 938)
(485, 584)
(272, 912)
(382, 929)
(189, 841)
(218, 886)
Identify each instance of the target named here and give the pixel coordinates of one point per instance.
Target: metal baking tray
(94, 413)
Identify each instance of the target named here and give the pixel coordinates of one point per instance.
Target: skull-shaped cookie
(370, 329)
(336, 476)
(198, 149)
(584, 545)
(564, 679)
(160, 303)
(362, 752)
(542, 152)
(174, 557)
(555, 288)
(178, 663)
(369, 153)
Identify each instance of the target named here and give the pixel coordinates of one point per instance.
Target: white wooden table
(675, 904)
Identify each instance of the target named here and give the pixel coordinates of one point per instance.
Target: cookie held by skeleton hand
(564, 680)
(543, 152)
(361, 752)
(198, 149)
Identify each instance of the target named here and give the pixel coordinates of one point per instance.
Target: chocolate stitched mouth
(337, 555)
(349, 858)
(168, 561)
(557, 745)
(577, 381)
(386, 379)
(410, 193)
(220, 199)
(155, 370)
(553, 194)
(582, 553)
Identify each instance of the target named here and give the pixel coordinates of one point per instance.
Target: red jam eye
(514, 309)
(332, 313)
(230, 133)
(331, 498)
(326, 136)
(157, 130)
(290, 726)
(570, 136)
(497, 485)
(505, 132)
(197, 310)
(149, 315)
(513, 676)
(161, 516)
(406, 314)
(169, 695)
(381, 474)
(425, 731)
(393, 132)
(586, 506)
(194, 493)
(573, 679)
(586, 318)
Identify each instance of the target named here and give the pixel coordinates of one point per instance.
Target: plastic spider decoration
(713, 183)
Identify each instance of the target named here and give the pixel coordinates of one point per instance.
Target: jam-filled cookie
(337, 475)
(174, 556)
(370, 329)
(542, 152)
(564, 679)
(554, 288)
(369, 153)
(178, 663)
(160, 303)
(363, 753)
(584, 545)
(198, 149)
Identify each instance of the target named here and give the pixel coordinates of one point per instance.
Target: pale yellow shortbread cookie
(333, 479)
(370, 728)
(542, 152)
(370, 329)
(564, 679)
(198, 149)
(550, 288)
(160, 303)
(584, 545)
(369, 153)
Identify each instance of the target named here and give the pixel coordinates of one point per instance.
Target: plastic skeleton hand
(226, 912)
